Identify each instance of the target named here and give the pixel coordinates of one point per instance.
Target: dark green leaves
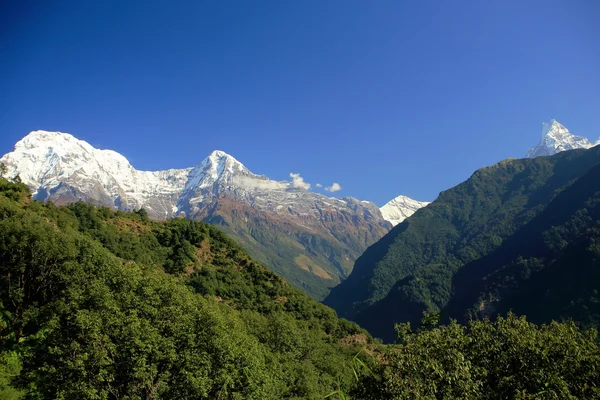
(506, 359)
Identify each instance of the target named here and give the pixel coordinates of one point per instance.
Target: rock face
(400, 208)
(557, 138)
(310, 239)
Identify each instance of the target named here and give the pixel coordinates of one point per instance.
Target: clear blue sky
(383, 97)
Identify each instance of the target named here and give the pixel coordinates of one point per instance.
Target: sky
(383, 98)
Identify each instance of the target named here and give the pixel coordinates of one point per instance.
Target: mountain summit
(556, 138)
(400, 208)
(310, 239)
(59, 167)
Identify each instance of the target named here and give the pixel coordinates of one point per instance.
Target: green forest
(103, 304)
(521, 236)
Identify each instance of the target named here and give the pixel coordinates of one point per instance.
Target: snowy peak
(57, 165)
(217, 171)
(46, 143)
(34, 138)
(219, 162)
(42, 158)
(556, 138)
(554, 128)
(400, 208)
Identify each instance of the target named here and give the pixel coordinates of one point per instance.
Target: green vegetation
(98, 304)
(506, 359)
(517, 235)
(548, 270)
(104, 304)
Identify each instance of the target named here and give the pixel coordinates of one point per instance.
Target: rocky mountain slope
(310, 239)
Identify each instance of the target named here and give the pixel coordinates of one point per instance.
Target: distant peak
(41, 132)
(400, 208)
(220, 157)
(556, 138)
(218, 162)
(46, 138)
(402, 198)
(47, 135)
(219, 154)
(553, 126)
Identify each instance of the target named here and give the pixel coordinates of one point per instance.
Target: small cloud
(298, 181)
(318, 185)
(259, 183)
(334, 187)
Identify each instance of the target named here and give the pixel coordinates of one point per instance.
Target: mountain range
(310, 239)
(99, 303)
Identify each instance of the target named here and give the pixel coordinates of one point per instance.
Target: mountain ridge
(309, 238)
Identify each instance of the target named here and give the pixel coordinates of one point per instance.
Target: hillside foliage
(519, 235)
(509, 358)
(103, 304)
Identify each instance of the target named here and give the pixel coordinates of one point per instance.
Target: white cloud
(260, 183)
(334, 187)
(298, 181)
(318, 185)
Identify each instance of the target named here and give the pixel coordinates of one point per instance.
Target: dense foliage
(98, 304)
(506, 359)
(499, 241)
(549, 269)
(104, 304)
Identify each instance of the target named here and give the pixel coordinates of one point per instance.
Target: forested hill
(98, 304)
(516, 235)
(103, 304)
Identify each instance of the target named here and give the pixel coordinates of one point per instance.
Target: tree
(10, 367)
(508, 358)
(142, 213)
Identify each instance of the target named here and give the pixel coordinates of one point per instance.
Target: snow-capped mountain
(56, 165)
(59, 167)
(400, 208)
(557, 138)
(309, 238)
